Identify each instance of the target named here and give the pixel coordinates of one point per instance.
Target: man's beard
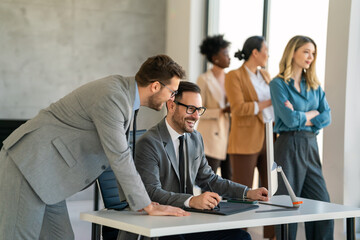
(154, 102)
(181, 123)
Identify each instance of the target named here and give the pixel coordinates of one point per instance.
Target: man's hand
(258, 194)
(155, 209)
(206, 200)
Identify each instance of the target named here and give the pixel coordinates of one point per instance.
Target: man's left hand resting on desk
(258, 194)
(155, 209)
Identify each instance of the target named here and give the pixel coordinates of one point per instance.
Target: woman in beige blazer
(249, 96)
(214, 124)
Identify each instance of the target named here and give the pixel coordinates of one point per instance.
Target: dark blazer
(156, 162)
(69, 144)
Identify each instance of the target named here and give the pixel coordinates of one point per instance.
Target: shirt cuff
(245, 192)
(302, 119)
(316, 123)
(256, 108)
(187, 202)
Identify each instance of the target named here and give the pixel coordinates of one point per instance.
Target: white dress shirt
(176, 142)
(262, 90)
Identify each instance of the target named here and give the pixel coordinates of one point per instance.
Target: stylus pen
(217, 206)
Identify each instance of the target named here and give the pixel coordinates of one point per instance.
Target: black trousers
(226, 170)
(298, 155)
(232, 234)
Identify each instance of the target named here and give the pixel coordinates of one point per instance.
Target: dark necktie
(134, 133)
(182, 164)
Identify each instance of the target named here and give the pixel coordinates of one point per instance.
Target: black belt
(306, 134)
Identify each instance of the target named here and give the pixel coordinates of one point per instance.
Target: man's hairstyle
(158, 68)
(212, 46)
(186, 86)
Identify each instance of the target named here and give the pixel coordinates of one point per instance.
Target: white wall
(184, 34)
(342, 137)
(48, 48)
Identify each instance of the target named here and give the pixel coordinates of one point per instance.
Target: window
(237, 20)
(290, 18)
(240, 19)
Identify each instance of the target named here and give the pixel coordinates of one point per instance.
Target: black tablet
(226, 208)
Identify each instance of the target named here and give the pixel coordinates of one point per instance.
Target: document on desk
(226, 208)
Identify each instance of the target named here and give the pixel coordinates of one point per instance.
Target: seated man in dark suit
(170, 166)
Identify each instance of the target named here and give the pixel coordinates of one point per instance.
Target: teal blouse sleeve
(324, 118)
(304, 101)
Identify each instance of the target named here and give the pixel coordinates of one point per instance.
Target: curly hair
(212, 45)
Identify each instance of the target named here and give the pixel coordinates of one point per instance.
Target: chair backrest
(109, 190)
(106, 182)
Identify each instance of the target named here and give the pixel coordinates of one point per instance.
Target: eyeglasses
(190, 109)
(173, 93)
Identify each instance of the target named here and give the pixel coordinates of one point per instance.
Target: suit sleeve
(279, 95)
(324, 118)
(148, 164)
(109, 117)
(205, 175)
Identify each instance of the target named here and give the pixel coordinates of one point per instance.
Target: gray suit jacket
(69, 144)
(156, 162)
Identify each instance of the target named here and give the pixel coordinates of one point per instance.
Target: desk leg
(95, 231)
(95, 228)
(284, 232)
(350, 228)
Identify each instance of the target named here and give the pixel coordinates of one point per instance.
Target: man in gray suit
(158, 160)
(69, 144)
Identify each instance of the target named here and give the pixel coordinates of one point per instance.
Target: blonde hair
(285, 65)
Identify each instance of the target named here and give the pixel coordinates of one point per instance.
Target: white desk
(157, 226)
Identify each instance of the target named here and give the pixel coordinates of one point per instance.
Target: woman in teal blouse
(301, 110)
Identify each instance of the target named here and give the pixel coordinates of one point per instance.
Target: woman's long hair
(285, 65)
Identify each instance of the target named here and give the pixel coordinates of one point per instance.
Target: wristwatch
(246, 191)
